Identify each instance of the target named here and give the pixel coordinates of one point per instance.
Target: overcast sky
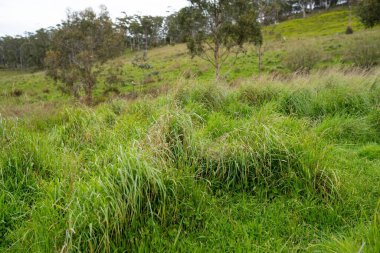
(18, 16)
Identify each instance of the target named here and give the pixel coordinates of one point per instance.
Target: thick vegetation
(170, 160)
(288, 165)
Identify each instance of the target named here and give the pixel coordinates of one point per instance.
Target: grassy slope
(316, 24)
(172, 63)
(183, 161)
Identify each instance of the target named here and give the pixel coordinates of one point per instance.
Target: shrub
(368, 12)
(349, 30)
(17, 93)
(303, 58)
(363, 52)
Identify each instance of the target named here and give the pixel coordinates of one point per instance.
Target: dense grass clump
(210, 95)
(170, 138)
(364, 51)
(255, 95)
(138, 192)
(334, 98)
(348, 129)
(262, 159)
(26, 161)
(303, 57)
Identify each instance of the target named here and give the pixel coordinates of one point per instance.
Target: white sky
(19, 16)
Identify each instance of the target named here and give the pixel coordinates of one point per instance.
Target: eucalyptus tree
(183, 25)
(80, 46)
(228, 25)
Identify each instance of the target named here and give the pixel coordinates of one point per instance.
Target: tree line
(144, 32)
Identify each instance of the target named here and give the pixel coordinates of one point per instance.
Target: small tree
(80, 45)
(369, 12)
(141, 62)
(226, 26)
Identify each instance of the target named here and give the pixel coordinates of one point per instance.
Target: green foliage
(25, 52)
(234, 23)
(82, 42)
(210, 95)
(368, 12)
(259, 159)
(349, 30)
(371, 152)
(256, 95)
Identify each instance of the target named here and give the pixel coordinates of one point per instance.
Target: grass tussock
(303, 57)
(363, 51)
(262, 159)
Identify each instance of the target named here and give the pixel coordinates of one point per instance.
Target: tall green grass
(281, 164)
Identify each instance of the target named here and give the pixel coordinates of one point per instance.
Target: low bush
(17, 93)
(349, 30)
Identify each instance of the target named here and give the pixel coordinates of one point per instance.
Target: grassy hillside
(171, 161)
(316, 24)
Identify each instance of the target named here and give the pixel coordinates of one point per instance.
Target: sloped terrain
(175, 162)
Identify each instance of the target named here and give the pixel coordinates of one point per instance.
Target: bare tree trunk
(350, 18)
(90, 81)
(260, 59)
(303, 5)
(88, 91)
(217, 60)
(146, 43)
